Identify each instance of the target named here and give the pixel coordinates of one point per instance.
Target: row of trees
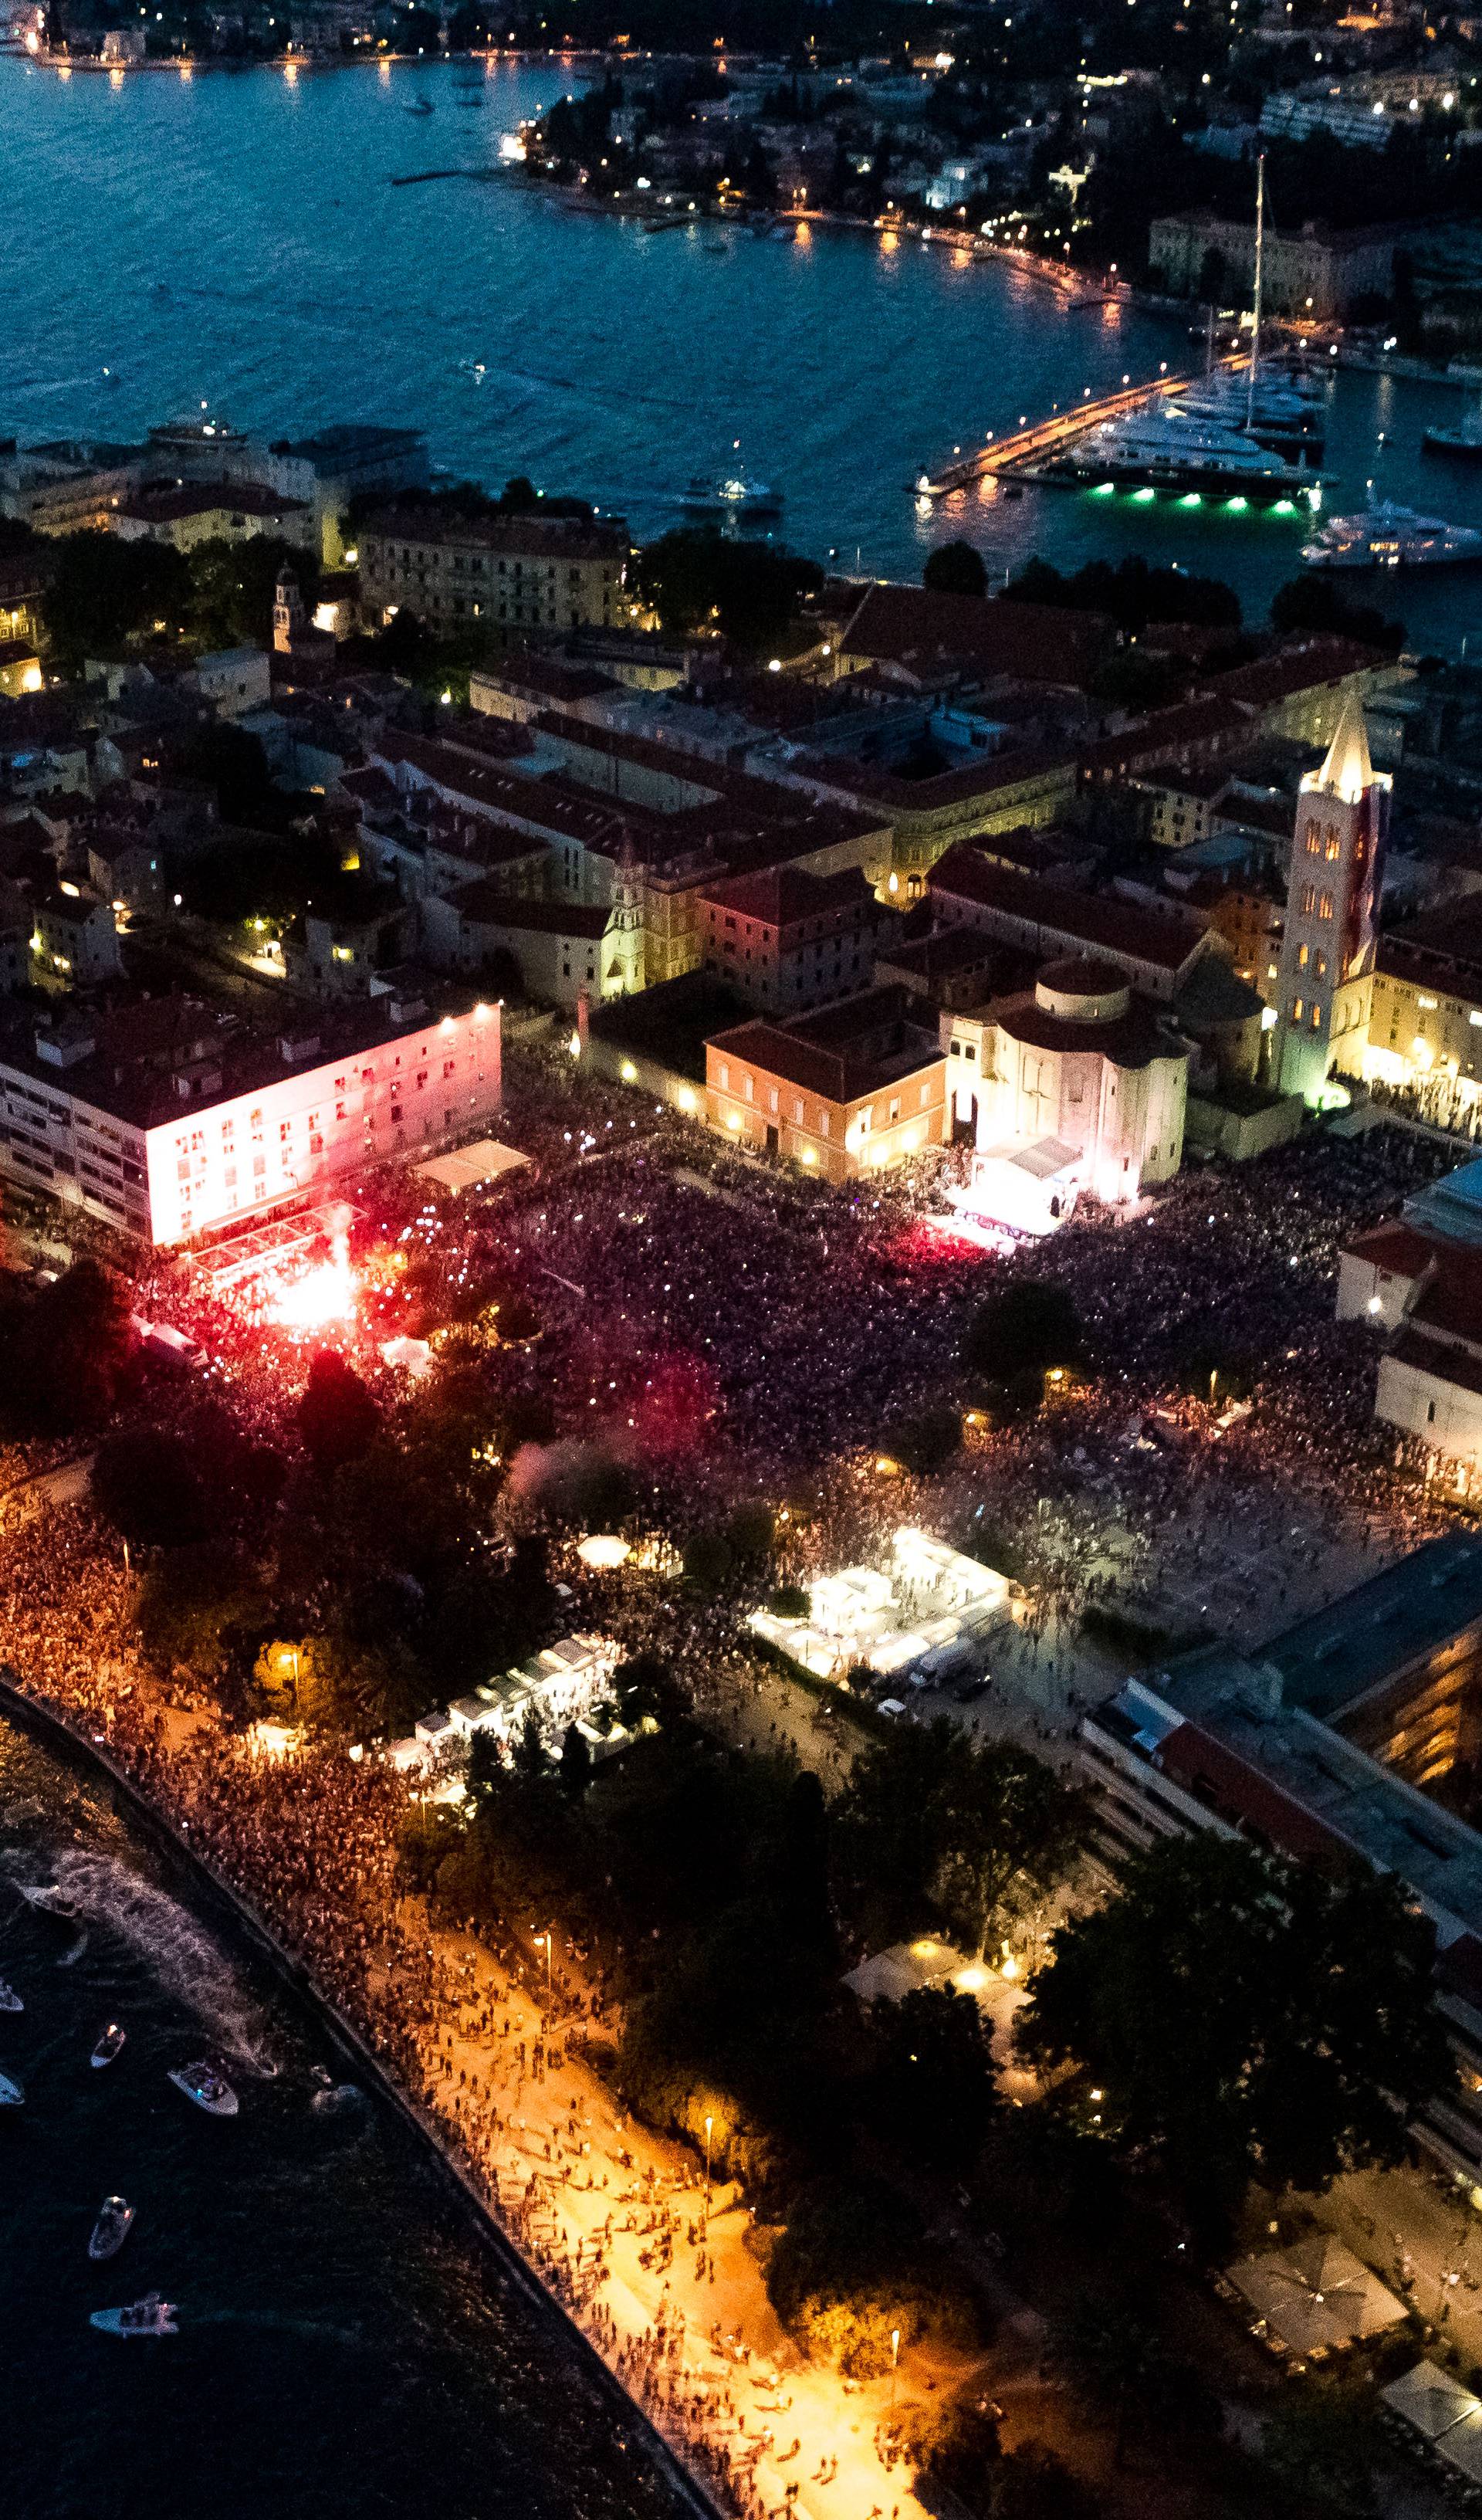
(104, 596)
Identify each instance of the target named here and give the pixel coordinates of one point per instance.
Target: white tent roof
(1461, 2445)
(484, 1160)
(1430, 2400)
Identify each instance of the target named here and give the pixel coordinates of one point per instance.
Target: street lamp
(895, 2356)
(709, 2123)
(547, 1939)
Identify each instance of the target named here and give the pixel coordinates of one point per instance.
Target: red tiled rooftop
(1098, 920)
(1040, 643)
(1216, 1775)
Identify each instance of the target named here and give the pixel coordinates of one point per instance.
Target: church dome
(1082, 989)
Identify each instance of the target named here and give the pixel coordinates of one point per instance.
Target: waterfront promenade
(487, 2050)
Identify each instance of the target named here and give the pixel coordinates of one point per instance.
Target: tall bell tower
(1332, 901)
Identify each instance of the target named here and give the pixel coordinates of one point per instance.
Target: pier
(1020, 452)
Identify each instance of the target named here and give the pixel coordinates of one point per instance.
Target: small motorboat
(12, 2095)
(208, 2090)
(112, 2228)
(10, 2001)
(110, 2046)
(149, 2316)
(423, 104)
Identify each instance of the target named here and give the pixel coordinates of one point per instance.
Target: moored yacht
(12, 2095)
(1285, 415)
(1168, 448)
(1387, 536)
(10, 2001)
(1465, 442)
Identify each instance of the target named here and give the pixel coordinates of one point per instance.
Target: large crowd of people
(735, 1335)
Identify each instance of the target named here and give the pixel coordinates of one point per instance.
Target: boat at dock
(1463, 443)
(12, 2095)
(1386, 536)
(1170, 448)
(10, 2001)
(1286, 415)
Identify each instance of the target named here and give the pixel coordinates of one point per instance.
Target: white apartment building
(169, 1119)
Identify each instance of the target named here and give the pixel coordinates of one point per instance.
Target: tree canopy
(1133, 591)
(1246, 2017)
(103, 594)
(955, 568)
(936, 1820)
(698, 578)
(1312, 600)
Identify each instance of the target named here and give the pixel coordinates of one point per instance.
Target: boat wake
(90, 1885)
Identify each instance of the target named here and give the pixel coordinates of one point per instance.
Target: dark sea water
(346, 2346)
(233, 238)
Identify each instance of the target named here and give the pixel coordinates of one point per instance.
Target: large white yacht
(1172, 448)
(1386, 536)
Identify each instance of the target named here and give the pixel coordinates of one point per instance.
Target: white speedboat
(10, 2001)
(112, 2228)
(149, 2316)
(110, 2046)
(1387, 536)
(12, 2095)
(208, 2090)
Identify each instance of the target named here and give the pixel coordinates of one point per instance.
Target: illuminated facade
(844, 1092)
(1333, 898)
(169, 1119)
(1080, 1060)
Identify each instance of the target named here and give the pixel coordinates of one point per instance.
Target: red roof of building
(842, 1052)
(788, 896)
(1241, 1794)
(1098, 921)
(1040, 643)
(484, 904)
(204, 499)
(1394, 1248)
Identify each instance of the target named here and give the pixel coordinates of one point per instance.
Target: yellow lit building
(849, 1090)
(1420, 1030)
(514, 573)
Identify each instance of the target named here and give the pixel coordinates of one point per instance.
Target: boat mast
(1255, 320)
